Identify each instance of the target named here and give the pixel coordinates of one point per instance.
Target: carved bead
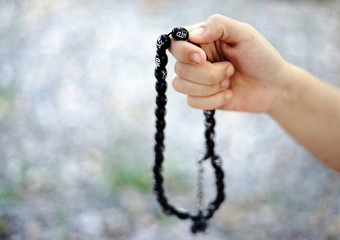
(180, 33)
(161, 87)
(161, 60)
(163, 42)
(161, 73)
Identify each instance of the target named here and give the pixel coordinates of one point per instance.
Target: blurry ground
(77, 124)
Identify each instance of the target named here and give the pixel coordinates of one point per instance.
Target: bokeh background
(77, 124)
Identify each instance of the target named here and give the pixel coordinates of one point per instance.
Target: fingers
(218, 27)
(211, 102)
(206, 85)
(198, 90)
(206, 74)
(187, 52)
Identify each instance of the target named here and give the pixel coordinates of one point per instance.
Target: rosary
(200, 216)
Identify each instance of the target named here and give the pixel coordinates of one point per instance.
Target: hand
(243, 72)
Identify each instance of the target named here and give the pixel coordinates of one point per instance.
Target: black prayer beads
(199, 217)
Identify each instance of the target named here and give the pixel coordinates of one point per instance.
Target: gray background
(76, 125)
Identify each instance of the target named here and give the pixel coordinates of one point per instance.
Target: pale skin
(244, 72)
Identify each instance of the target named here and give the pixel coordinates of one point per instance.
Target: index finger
(187, 52)
(218, 27)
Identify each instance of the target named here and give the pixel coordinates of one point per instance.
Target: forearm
(309, 110)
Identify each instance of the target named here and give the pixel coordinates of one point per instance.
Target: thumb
(218, 27)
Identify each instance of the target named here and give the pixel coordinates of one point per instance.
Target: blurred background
(76, 125)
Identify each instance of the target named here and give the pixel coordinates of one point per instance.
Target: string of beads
(200, 216)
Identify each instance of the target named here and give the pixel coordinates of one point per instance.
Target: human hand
(244, 72)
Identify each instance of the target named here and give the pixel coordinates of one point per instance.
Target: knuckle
(176, 84)
(248, 28)
(245, 25)
(215, 101)
(205, 92)
(179, 69)
(201, 103)
(191, 102)
(215, 17)
(211, 76)
(194, 102)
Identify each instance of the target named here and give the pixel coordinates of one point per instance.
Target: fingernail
(228, 95)
(196, 58)
(197, 32)
(224, 83)
(229, 71)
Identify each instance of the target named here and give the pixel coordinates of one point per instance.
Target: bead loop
(199, 218)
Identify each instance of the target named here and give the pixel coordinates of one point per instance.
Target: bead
(161, 87)
(160, 113)
(208, 113)
(180, 33)
(210, 144)
(216, 162)
(220, 187)
(157, 187)
(161, 101)
(181, 213)
(210, 123)
(163, 42)
(212, 206)
(220, 198)
(168, 210)
(158, 181)
(207, 214)
(219, 174)
(160, 125)
(160, 74)
(159, 137)
(209, 134)
(161, 60)
(195, 215)
(157, 169)
(159, 159)
(162, 200)
(199, 226)
(159, 148)
(161, 51)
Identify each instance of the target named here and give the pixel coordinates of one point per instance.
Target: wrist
(286, 92)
